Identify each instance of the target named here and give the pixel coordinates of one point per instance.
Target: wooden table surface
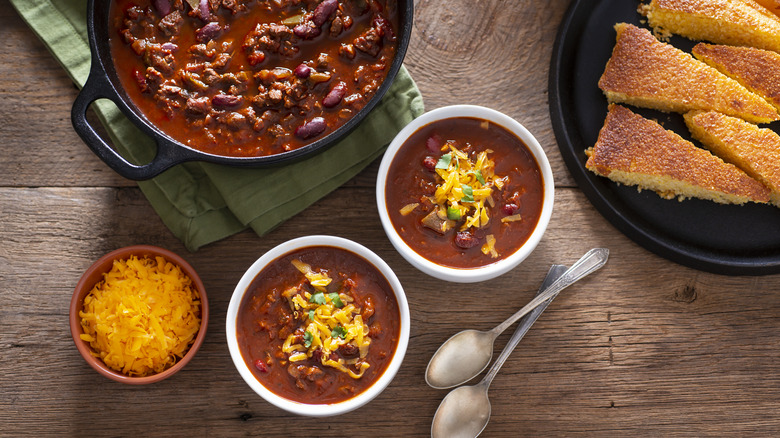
(642, 347)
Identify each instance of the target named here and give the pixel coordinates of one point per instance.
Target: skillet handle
(97, 87)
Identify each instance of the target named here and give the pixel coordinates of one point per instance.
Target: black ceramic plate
(724, 239)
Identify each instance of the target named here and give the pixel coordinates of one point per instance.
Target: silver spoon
(477, 420)
(468, 353)
(465, 411)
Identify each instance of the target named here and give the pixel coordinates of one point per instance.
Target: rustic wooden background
(643, 347)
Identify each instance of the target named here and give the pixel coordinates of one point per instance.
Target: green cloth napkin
(203, 202)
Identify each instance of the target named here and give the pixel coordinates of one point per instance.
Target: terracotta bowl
(95, 273)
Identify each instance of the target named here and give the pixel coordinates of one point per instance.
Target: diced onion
(408, 208)
(513, 218)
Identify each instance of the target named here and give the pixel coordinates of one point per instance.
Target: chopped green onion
(480, 178)
(335, 299)
(318, 298)
(453, 213)
(311, 315)
(339, 332)
(307, 338)
(444, 161)
(468, 193)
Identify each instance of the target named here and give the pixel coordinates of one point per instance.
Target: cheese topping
(331, 320)
(466, 190)
(142, 316)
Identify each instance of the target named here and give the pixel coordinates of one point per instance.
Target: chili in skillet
(251, 78)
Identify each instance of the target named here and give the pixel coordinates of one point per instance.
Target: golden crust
(752, 149)
(646, 72)
(636, 151)
(735, 22)
(772, 5)
(757, 70)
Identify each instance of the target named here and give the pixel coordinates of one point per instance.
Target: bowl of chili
(318, 326)
(241, 83)
(139, 314)
(465, 193)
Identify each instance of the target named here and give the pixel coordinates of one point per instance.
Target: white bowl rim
(481, 273)
(306, 409)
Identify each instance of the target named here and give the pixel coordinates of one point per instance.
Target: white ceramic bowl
(482, 273)
(318, 410)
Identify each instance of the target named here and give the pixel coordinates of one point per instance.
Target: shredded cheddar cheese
(466, 186)
(490, 246)
(142, 316)
(466, 190)
(332, 320)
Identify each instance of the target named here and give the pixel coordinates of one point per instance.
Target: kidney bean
(335, 95)
(141, 80)
(434, 143)
(162, 6)
(208, 32)
(311, 128)
(430, 163)
(466, 240)
(302, 71)
(306, 30)
(509, 209)
(384, 26)
(223, 101)
(203, 9)
(169, 47)
(261, 366)
(323, 11)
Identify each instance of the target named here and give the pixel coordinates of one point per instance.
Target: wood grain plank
(643, 346)
(40, 147)
(490, 54)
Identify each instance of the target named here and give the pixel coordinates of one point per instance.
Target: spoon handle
(528, 320)
(591, 261)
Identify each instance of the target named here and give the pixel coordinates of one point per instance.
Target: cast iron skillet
(723, 239)
(103, 82)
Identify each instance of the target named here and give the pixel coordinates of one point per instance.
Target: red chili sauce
(249, 78)
(412, 178)
(266, 320)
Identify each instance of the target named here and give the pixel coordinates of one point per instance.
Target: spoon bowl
(448, 368)
(467, 353)
(465, 412)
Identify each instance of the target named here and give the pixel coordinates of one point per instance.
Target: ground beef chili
(249, 78)
(269, 322)
(415, 174)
